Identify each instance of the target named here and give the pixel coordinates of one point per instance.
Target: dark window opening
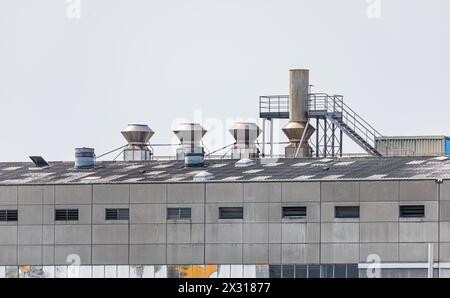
(66, 214)
(294, 212)
(178, 213)
(8, 215)
(117, 214)
(416, 211)
(346, 212)
(231, 212)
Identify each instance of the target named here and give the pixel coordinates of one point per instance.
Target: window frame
(221, 209)
(284, 216)
(179, 213)
(411, 216)
(118, 213)
(10, 215)
(338, 216)
(67, 214)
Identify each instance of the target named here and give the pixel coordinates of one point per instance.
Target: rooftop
(223, 170)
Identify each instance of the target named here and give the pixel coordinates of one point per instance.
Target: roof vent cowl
(84, 158)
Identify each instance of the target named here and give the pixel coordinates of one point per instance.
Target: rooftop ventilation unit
(137, 136)
(204, 176)
(84, 158)
(245, 134)
(245, 163)
(191, 150)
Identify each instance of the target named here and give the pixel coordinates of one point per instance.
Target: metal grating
(66, 214)
(412, 211)
(117, 214)
(178, 213)
(8, 215)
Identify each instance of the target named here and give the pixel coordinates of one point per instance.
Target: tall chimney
(298, 117)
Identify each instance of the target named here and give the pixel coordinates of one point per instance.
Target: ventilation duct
(298, 130)
(84, 158)
(137, 136)
(245, 135)
(191, 150)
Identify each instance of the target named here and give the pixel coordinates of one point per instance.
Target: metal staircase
(334, 109)
(330, 113)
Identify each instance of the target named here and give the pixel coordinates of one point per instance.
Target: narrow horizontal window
(293, 212)
(231, 212)
(178, 213)
(8, 215)
(66, 214)
(413, 211)
(117, 214)
(346, 212)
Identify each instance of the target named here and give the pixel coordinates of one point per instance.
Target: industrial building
(315, 213)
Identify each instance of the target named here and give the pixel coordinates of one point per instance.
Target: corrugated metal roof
(283, 169)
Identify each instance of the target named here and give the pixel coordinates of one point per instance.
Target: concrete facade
(261, 237)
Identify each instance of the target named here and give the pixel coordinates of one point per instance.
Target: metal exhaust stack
(191, 150)
(245, 134)
(298, 130)
(84, 158)
(137, 136)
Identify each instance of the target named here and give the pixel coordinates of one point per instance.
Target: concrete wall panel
(301, 192)
(73, 194)
(8, 195)
(111, 194)
(148, 193)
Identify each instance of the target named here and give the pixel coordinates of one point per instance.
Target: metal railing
(322, 104)
(274, 106)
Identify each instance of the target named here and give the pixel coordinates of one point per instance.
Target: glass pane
(73, 271)
(313, 271)
(123, 271)
(224, 271)
(287, 271)
(275, 271)
(237, 271)
(262, 271)
(340, 271)
(172, 272)
(98, 271)
(85, 271)
(327, 271)
(61, 271)
(160, 271)
(249, 271)
(211, 271)
(136, 271)
(110, 271)
(301, 271)
(48, 272)
(149, 272)
(352, 271)
(12, 272)
(2, 271)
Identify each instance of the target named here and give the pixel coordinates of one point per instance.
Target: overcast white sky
(66, 83)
